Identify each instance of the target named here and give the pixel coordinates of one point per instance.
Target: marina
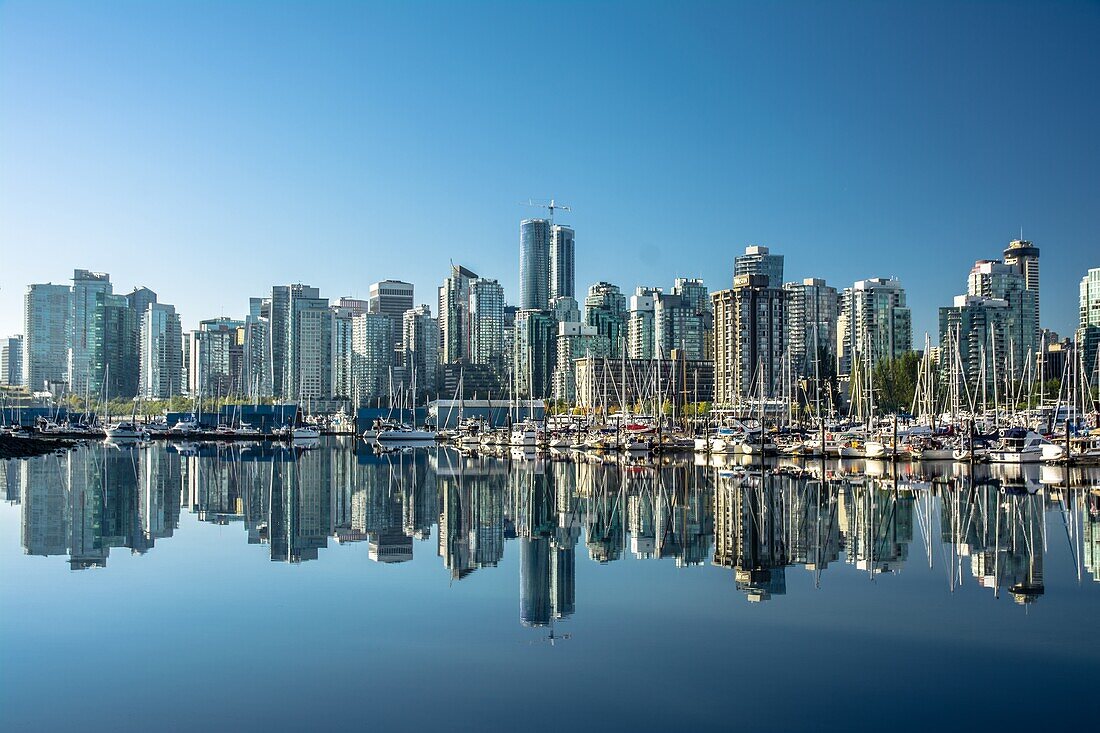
(728, 567)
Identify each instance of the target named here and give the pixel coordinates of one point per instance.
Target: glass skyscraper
(86, 287)
(562, 262)
(534, 264)
(47, 319)
(759, 261)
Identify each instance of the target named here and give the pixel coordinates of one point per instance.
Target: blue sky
(208, 150)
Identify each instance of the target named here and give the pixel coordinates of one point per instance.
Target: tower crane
(551, 206)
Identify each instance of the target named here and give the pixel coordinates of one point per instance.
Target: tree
(895, 382)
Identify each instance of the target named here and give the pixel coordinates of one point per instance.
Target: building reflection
(753, 525)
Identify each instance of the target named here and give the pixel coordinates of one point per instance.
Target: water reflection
(990, 527)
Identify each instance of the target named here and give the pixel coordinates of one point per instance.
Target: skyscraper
(11, 361)
(161, 357)
(212, 361)
(486, 318)
(113, 353)
(749, 338)
(256, 349)
(874, 323)
(562, 262)
(308, 372)
(605, 309)
(372, 355)
(420, 344)
(758, 260)
(1088, 332)
(639, 327)
(278, 320)
(678, 323)
(812, 311)
(342, 351)
(534, 264)
(535, 353)
(47, 319)
(86, 287)
(454, 315)
(391, 298)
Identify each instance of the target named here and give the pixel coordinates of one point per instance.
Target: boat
(1018, 445)
(126, 430)
(406, 434)
(524, 434)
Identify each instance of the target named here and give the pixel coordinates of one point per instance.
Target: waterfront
(430, 588)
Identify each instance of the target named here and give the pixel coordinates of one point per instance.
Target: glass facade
(759, 261)
(534, 264)
(562, 262)
(161, 357)
(86, 288)
(47, 319)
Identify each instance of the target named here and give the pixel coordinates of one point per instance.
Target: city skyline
(907, 171)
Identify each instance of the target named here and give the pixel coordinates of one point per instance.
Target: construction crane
(551, 206)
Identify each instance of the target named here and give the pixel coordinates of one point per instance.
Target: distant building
(1088, 332)
(308, 344)
(113, 356)
(161, 356)
(86, 287)
(605, 309)
(256, 349)
(11, 361)
(675, 380)
(750, 331)
(215, 358)
(562, 262)
(534, 264)
(421, 348)
(535, 353)
(486, 325)
(47, 319)
(391, 298)
(812, 313)
(875, 324)
(1023, 256)
(372, 355)
(639, 328)
(575, 341)
(759, 261)
(454, 315)
(342, 349)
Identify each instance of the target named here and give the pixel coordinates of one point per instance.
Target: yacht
(524, 434)
(1018, 446)
(127, 430)
(405, 434)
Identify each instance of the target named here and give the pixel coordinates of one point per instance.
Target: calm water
(165, 588)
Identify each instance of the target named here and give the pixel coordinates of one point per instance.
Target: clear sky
(209, 150)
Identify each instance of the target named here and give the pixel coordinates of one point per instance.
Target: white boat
(1018, 446)
(305, 432)
(524, 434)
(406, 434)
(127, 430)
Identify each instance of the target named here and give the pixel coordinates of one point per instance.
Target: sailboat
(407, 433)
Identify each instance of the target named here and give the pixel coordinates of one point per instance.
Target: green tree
(895, 382)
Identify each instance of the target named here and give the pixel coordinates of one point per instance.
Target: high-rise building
(605, 308)
(86, 287)
(874, 323)
(256, 349)
(1024, 256)
(563, 276)
(278, 312)
(342, 351)
(749, 339)
(47, 323)
(139, 300)
(639, 327)
(812, 312)
(679, 324)
(420, 344)
(215, 358)
(575, 341)
(534, 264)
(11, 361)
(372, 355)
(486, 319)
(535, 353)
(1009, 307)
(161, 357)
(1088, 332)
(308, 373)
(759, 261)
(391, 298)
(454, 315)
(113, 356)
